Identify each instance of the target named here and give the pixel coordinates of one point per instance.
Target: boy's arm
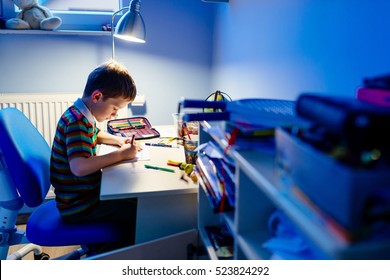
(82, 166)
(128, 148)
(104, 137)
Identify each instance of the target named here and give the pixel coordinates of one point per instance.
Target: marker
(160, 145)
(126, 126)
(159, 168)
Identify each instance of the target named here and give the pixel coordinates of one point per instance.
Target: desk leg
(160, 216)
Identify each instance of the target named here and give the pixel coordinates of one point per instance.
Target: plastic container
(342, 192)
(189, 132)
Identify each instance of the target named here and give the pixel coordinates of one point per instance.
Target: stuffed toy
(33, 16)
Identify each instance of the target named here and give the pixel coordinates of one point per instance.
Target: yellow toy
(186, 167)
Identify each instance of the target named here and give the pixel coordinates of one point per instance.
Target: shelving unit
(259, 193)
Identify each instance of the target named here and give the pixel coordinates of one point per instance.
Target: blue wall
(281, 48)
(175, 61)
(273, 49)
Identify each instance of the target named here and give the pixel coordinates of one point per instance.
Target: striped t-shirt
(75, 137)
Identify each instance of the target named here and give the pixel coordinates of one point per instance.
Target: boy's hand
(130, 148)
(133, 142)
(120, 141)
(128, 151)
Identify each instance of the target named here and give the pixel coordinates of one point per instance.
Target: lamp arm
(112, 30)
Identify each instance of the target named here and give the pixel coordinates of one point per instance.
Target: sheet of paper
(141, 155)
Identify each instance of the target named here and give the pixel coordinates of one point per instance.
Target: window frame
(71, 20)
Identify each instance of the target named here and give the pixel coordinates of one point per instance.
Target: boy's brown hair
(113, 80)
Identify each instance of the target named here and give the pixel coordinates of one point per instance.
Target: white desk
(166, 204)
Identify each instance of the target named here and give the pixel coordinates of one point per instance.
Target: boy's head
(109, 88)
(112, 80)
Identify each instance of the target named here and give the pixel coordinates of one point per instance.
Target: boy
(75, 169)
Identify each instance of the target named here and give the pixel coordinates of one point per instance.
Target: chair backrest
(26, 154)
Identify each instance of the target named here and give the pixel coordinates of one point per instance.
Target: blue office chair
(24, 180)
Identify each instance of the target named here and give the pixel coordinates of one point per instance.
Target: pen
(124, 127)
(160, 145)
(159, 168)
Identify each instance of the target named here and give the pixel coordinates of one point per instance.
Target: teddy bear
(33, 16)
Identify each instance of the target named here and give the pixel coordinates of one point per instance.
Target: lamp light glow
(130, 27)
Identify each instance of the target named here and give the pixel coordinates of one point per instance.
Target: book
(215, 187)
(245, 136)
(245, 130)
(376, 96)
(226, 178)
(222, 241)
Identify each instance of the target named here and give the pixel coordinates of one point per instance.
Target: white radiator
(43, 109)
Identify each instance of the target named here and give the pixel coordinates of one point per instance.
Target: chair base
(46, 228)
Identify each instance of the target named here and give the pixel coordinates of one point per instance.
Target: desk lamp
(130, 27)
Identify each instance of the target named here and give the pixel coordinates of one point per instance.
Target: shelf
(222, 142)
(207, 244)
(260, 192)
(251, 247)
(228, 217)
(207, 217)
(55, 32)
(259, 168)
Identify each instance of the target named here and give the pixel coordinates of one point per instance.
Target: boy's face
(106, 109)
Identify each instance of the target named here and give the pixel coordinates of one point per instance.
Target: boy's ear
(96, 96)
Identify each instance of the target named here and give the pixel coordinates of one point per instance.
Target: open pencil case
(127, 127)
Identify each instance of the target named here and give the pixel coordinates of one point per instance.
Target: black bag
(381, 82)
